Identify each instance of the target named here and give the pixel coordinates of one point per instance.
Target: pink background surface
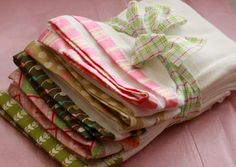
(209, 140)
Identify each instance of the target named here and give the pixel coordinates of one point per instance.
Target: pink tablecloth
(209, 140)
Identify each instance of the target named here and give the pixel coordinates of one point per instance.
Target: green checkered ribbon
(174, 48)
(149, 28)
(156, 19)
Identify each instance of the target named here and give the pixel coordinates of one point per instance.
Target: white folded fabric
(213, 67)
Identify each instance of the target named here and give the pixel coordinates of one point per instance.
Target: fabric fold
(92, 152)
(84, 125)
(85, 57)
(96, 93)
(88, 91)
(55, 149)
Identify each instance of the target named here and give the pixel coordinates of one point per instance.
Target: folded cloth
(84, 88)
(132, 35)
(95, 146)
(124, 49)
(53, 94)
(212, 68)
(78, 148)
(15, 93)
(67, 36)
(107, 147)
(143, 139)
(55, 149)
(19, 79)
(88, 72)
(117, 111)
(158, 118)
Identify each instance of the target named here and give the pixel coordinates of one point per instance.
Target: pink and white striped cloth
(65, 38)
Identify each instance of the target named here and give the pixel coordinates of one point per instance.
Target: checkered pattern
(148, 46)
(150, 42)
(172, 51)
(178, 48)
(156, 19)
(174, 48)
(187, 85)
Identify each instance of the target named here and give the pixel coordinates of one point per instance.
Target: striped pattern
(106, 42)
(85, 58)
(187, 85)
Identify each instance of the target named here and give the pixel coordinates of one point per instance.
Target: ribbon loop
(155, 19)
(148, 27)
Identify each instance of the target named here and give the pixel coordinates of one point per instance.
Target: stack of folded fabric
(94, 94)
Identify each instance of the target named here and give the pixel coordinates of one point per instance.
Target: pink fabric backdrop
(209, 140)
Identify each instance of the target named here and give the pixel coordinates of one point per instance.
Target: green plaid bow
(149, 30)
(156, 19)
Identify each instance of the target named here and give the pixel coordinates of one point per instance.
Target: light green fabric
(155, 19)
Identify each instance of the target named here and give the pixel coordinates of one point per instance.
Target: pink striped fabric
(74, 48)
(106, 42)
